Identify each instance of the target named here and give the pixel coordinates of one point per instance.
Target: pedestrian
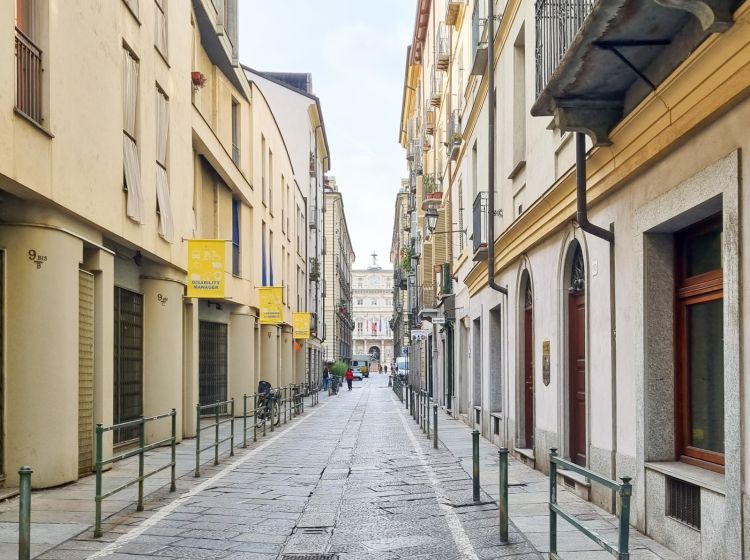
(386, 368)
(349, 377)
(325, 378)
(380, 368)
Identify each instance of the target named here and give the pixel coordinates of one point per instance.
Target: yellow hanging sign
(205, 268)
(271, 305)
(301, 325)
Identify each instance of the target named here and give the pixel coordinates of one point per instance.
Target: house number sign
(36, 258)
(545, 362)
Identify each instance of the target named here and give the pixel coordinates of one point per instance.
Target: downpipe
(581, 211)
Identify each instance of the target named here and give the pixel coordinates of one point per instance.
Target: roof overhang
(622, 52)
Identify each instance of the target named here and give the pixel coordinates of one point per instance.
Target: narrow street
(353, 477)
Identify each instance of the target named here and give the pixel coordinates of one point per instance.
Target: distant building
(337, 277)
(372, 292)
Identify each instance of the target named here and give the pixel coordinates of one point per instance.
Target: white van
(402, 367)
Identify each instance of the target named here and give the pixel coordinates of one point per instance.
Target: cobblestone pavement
(353, 477)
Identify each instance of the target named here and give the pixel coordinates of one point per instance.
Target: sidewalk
(58, 514)
(528, 498)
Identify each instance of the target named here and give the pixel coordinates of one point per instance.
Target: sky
(356, 53)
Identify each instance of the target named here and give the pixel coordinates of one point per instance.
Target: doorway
(212, 364)
(577, 359)
(528, 366)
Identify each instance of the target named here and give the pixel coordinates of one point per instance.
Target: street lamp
(431, 216)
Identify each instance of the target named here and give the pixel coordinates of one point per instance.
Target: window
(374, 302)
(235, 237)
(270, 182)
(132, 166)
(28, 63)
(699, 387)
(235, 132)
(519, 99)
(460, 217)
(163, 201)
(284, 197)
(360, 302)
(263, 169)
(161, 28)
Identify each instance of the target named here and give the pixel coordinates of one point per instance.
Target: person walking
(385, 367)
(325, 378)
(349, 377)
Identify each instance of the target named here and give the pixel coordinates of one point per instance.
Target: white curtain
(162, 127)
(166, 224)
(131, 163)
(161, 28)
(133, 179)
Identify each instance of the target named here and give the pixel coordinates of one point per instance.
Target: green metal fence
(216, 407)
(139, 451)
(624, 489)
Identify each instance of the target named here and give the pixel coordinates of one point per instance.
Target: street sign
(438, 320)
(419, 334)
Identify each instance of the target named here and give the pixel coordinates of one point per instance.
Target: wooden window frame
(701, 288)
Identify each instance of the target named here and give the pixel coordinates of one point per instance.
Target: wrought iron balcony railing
(479, 231)
(28, 77)
(443, 47)
(557, 24)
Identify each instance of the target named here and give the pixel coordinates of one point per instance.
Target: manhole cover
(310, 557)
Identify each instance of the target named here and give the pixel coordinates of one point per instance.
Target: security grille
(213, 364)
(85, 372)
(2, 361)
(128, 358)
(684, 502)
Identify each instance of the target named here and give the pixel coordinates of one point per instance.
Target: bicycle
(268, 405)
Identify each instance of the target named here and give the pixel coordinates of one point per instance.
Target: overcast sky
(355, 51)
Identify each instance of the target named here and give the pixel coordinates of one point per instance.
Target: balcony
(453, 11)
(28, 77)
(454, 137)
(429, 122)
(479, 56)
(479, 231)
(436, 95)
(596, 61)
(443, 48)
(313, 218)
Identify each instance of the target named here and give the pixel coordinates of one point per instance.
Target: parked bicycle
(268, 405)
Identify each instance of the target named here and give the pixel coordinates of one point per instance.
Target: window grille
(128, 362)
(684, 502)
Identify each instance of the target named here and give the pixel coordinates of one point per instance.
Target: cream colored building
(400, 240)
(104, 176)
(372, 304)
(337, 277)
(622, 345)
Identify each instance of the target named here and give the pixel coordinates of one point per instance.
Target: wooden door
(577, 377)
(528, 378)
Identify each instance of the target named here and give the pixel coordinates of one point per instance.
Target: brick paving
(353, 478)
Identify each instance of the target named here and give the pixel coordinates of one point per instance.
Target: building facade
(594, 302)
(372, 296)
(337, 277)
(104, 177)
(400, 241)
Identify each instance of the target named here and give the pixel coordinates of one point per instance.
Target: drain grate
(312, 530)
(309, 557)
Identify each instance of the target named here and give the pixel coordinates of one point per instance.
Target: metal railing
(624, 490)
(28, 77)
(479, 231)
(140, 451)
(557, 24)
(217, 407)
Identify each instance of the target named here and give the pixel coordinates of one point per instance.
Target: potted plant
(454, 145)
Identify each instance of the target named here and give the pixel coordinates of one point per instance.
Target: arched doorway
(527, 360)
(577, 356)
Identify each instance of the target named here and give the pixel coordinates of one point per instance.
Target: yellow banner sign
(205, 268)
(271, 305)
(301, 325)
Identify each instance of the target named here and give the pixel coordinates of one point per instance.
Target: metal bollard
(427, 416)
(216, 433)
(406, 400)
(197, 440)
(98, 488)
(141, 444)
(24, 513)
(435, 428)
(626, 490)
(173, 470)
(552, 500)
(502, 506)
(284, 401)
(255, 413)
(231, 429)
(475, 460)
(244, 420)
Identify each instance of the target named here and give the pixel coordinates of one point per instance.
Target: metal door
(212, 363)
(85, 372)
(128, 362)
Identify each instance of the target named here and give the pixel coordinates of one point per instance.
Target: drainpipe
(609, 236)
(491, 191)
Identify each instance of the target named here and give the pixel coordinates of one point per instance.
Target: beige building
(337, 277)
(586, 317)
(372, 297)
(400, 242)
(104, 176)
